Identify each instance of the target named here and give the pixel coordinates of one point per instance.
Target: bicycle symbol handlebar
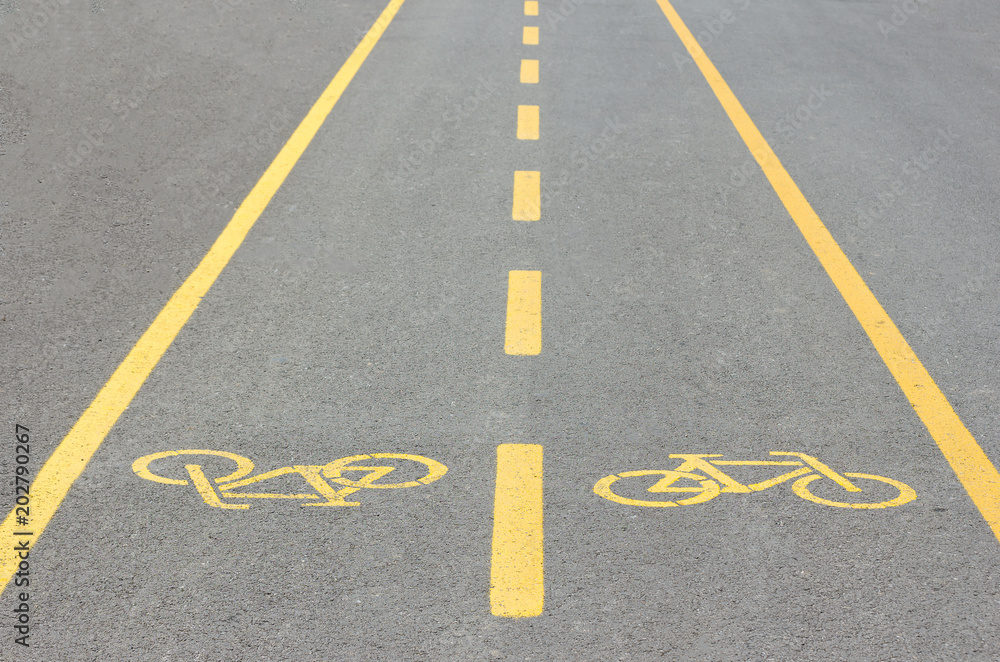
(318, 476)
(715, 482)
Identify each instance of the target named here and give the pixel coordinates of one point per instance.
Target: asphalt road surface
(556, 330)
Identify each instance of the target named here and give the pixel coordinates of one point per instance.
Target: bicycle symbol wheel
(906, 493)
(334, 470)
(707, 489)
(141, 466)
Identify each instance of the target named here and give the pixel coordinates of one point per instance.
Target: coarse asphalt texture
(365, 312)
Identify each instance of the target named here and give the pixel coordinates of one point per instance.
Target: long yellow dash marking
(531, 7)
(529, 35)
(527, 195)
(975, 471)
(524, 313)
(517, 578)
(71, 456)
(527, 122)
(529, 71)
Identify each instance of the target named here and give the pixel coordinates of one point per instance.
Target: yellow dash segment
(71, 456)
(529, 71)
(527, 122)
(529, 35)
(527, 195)
(524, 313)
(531, 7)
(517, 578)
(971, 465)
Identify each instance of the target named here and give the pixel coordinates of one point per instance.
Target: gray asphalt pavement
(682, 313)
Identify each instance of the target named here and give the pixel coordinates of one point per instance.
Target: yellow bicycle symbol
(715, 482)
(317, 476)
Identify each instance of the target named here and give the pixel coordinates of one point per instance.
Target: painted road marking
(715, 482)
(971, 465)
(527, 122)
(524, 313)
(529, 71)
(517, 576)
(70, 458)
(527, 195)
(529, 36)
(531, 7)
(317, 476)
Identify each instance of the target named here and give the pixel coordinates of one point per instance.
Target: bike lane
(765, 356)
(673, 323)
(348, 343)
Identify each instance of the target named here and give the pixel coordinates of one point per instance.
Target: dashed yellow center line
(71, 456)
(527, 122)
(971, 465)
(524, 313)
(527, 195)
(517, 582)
(529, 71)
(517, 576)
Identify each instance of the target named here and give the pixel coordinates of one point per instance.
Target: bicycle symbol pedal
(701, 478)
(320, 477)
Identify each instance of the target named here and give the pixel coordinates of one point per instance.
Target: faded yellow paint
(527, 122)
(527, 205)
(529, 71)
(523, 335)
(517, 576)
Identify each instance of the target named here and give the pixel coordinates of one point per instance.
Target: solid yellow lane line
(517, 577)
(524, 313)
(527, 122)
(527, 195)
(531, 7)
(973, 468)
(529, 36)
(71, 456)
(529, 71)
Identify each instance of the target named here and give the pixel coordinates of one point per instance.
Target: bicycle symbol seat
(710, 481)
(318, 476)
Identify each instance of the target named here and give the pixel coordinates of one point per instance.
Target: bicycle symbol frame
(714, 482)
(317, 476)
